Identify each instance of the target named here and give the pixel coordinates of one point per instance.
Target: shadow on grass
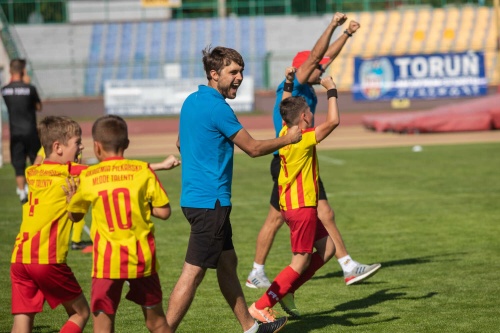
(327, 318)
(44, 329)
(400, 262)
(314, 322)
(40, 329)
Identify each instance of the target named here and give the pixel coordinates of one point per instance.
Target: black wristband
(347, 33)
(332, 93)
(288, 87)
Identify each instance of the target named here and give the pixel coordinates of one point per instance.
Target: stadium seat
(156, 41)
(420, 32)
(405, 32)
(452, 15)
(230, 30)
(170, 41)
(467, 18)
(377, 29)
(391, 32)
(140, 42)
(435, 31)
(481, 27)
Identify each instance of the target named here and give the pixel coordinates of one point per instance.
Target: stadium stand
(420, 31)
(90, 53)
(449, 34)
(356, 45)
(402, 43)
(376, 31)
(436, 27)
(391, 31)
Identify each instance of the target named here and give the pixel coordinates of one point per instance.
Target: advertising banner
(430, 76)
(164, 97)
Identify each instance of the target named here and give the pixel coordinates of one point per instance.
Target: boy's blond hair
(57, 128)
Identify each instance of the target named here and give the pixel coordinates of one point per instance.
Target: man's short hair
(291, 109)
(111, 132)
(57, 128)
(218, 58)
(17, 65)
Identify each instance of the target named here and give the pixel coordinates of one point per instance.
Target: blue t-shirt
(305, 90)
(206, 124)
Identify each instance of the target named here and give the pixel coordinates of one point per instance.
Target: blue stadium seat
(200, 43)
(111, 41)
(140, 41)
(122, 72)
(156, 42)
(170, 42)
(126, 43)
(138, 71)
(95, 43)
(185, 51)
(90, 81)
(215, 32)
(230, 30)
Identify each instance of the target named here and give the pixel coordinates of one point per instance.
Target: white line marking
(331, 160)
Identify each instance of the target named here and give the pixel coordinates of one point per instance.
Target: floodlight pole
(221, 8)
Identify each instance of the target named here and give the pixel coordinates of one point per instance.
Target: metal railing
(14, 47)
(59, 11)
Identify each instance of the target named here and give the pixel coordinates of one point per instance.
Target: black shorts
(275, 172)
(22, 147)
(211, 233)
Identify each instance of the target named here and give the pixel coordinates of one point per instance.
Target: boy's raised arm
(332, 117)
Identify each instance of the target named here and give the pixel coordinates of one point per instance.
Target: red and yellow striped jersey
(121, 193)
(45, 229)
(298, 178)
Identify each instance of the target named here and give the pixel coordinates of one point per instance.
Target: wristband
(288, 87)
(332, 93)
(347, 33)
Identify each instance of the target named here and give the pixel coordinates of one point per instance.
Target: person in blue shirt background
(310, 65)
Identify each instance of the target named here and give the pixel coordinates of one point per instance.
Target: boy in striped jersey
(123, 194)
(298, 198)
(39, 271)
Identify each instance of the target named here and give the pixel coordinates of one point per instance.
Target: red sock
(70, 327)
(279, 288)
(316, 263)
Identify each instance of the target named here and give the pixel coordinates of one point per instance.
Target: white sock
(21, 193)
(253, 329)
(347, 263)
(258, 268)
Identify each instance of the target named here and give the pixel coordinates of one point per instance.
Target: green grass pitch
(431, 218)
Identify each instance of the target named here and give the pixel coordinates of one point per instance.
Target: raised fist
(353, 26)
(328, 83)
(290, 73)
(339, 18)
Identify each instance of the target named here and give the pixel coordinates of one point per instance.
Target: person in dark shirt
(22, 101)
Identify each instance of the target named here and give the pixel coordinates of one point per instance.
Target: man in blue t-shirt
(310, 65)
(208, 130)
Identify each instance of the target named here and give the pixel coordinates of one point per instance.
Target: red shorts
(305, 228)
(32, 284)
(106, 293)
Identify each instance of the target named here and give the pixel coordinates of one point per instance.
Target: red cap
(301, 57)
